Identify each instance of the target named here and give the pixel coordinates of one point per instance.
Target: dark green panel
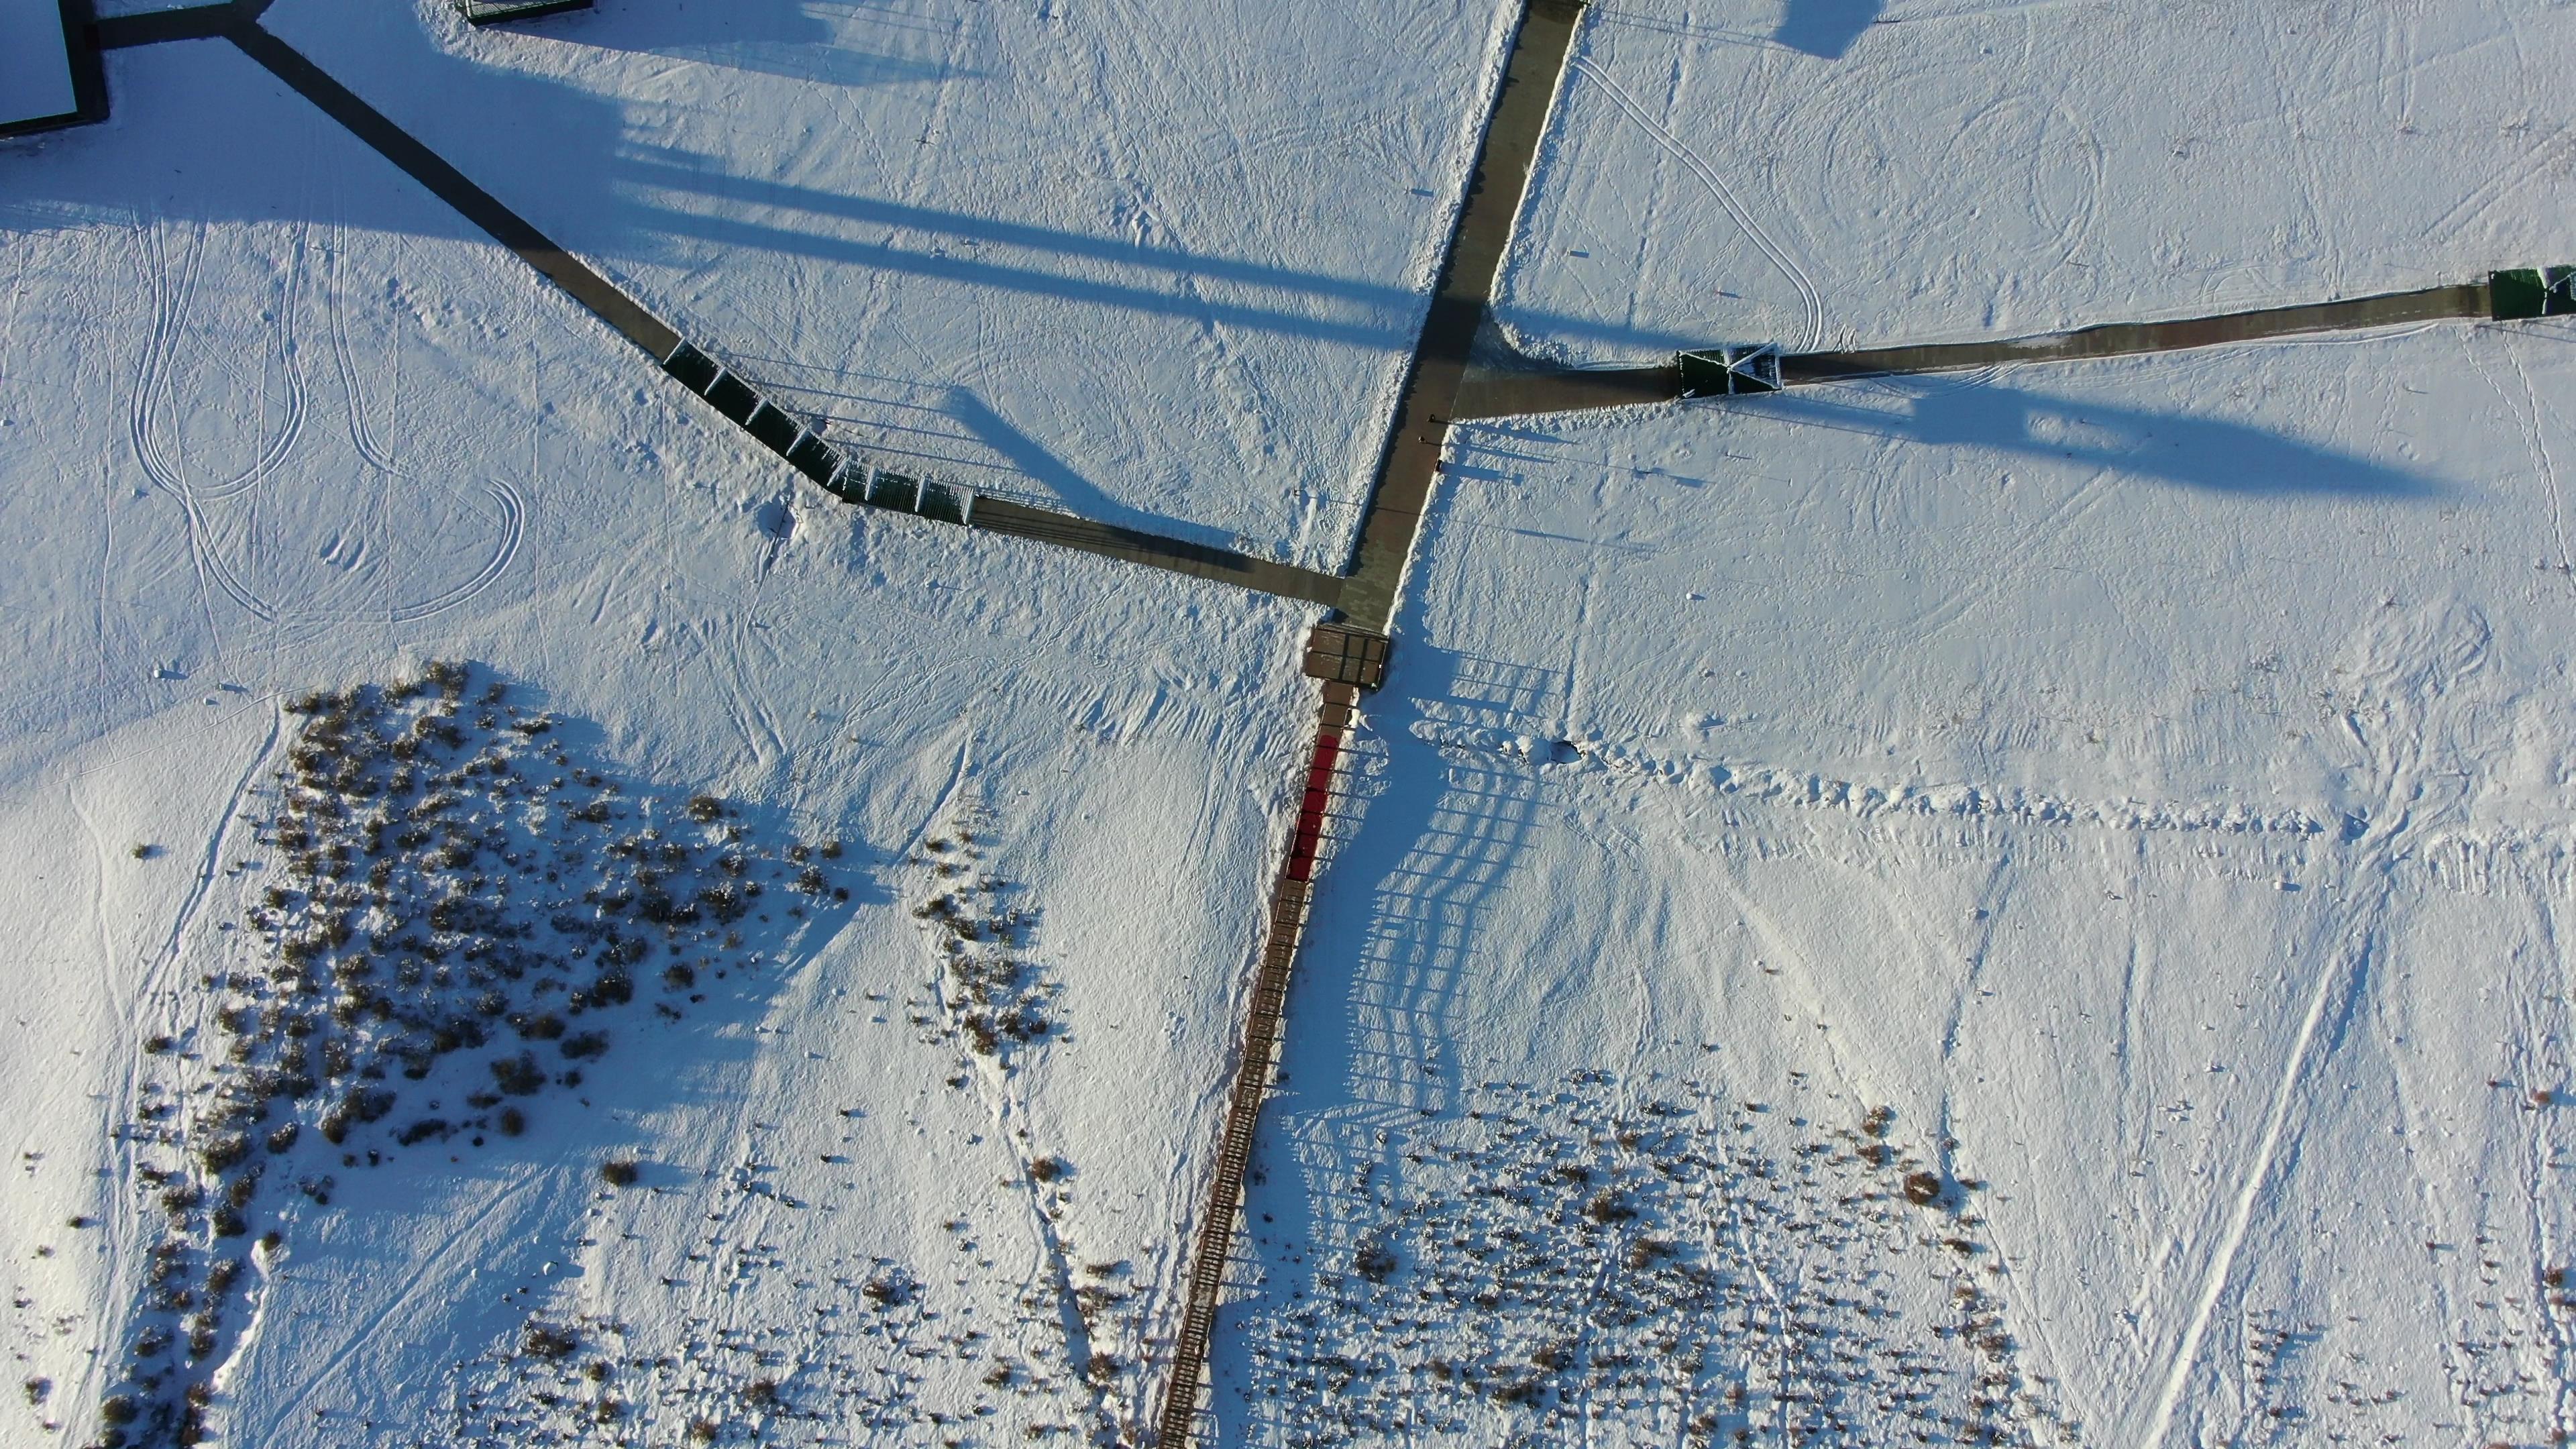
(814, 458)
(2515, 295)
(942, 502)
(696, 371)
(1702, 373)
(895, 491)
(850, 480)
(775, 429)
(732, 397)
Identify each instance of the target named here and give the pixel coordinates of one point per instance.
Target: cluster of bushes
(439, 873)
(1584, 1263)
(994, 999)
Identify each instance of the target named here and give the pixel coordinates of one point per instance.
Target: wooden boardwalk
(1347, 661)
(1354, 658)
(1458, 310)
(1497, 392)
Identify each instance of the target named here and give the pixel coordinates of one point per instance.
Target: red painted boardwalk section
(1310, 816)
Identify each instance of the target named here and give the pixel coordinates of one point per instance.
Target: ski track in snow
(173, 299)
(2536, 438)
(2249, 1188)
(2406, 698)
(173, 292)
(1708, 177)
(153, 983)
(424, 1280)
(344, 355)
(510, 511)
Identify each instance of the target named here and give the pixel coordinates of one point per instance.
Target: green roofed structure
(2527, 292)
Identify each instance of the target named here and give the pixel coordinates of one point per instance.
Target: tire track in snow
(156, 389)
(1708, 177)
(2339, 968)
(2412, 672)
(344, 356)
(172, 289)
(2541, 160)
(425, 1278)
(153, 270)
(509, 504)
(2039, 540)
(511, 510)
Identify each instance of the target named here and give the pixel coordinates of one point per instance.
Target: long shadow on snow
(791, 38)
(569, 161)
(228, 176)
(2197, 452)
(1826, 28)
(1369, 1052)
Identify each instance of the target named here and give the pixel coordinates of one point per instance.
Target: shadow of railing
(1389, 956)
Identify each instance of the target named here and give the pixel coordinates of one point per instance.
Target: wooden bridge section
(1346, 660)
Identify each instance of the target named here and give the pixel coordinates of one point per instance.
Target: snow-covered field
(2009, 907)
(2150, 781)
(271, 425)
(1160, 265)
(1839, 172)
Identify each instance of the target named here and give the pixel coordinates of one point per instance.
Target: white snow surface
(2148, 782)
(269, 424)
(2153, 777)
(1842, 172)
(1161, 265)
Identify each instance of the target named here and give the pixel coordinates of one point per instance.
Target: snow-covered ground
(1838, 172)
(1160, 265)
(2151, 780)
(270, 424)
(2014, 905)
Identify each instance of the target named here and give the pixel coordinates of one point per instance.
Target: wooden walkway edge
(1498, 392)
(1290, 895)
